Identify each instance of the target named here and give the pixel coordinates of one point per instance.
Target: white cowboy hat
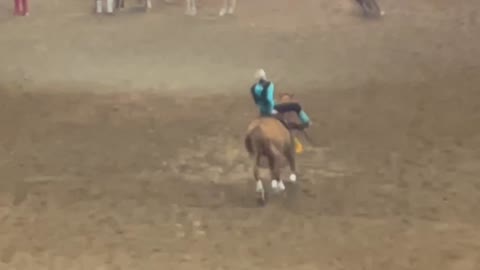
(260, 74)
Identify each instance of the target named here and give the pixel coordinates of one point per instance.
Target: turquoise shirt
(264, 100)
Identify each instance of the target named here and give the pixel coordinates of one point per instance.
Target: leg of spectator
(18, 8)
(25, 11)
(99, 4)
(110, 6)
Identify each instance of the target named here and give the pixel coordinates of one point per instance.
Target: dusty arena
(122, 136)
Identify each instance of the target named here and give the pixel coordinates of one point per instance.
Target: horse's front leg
(277, 183)
(259, 189)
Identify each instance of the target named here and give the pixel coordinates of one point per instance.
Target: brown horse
(268, 137)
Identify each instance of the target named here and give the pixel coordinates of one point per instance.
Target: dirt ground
(122, 137)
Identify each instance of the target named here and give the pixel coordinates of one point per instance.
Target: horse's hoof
(278, 186)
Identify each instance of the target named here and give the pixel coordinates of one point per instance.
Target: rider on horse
(263, 93)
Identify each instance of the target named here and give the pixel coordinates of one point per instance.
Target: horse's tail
(251, 141)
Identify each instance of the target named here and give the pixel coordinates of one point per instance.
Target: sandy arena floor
(121, 137)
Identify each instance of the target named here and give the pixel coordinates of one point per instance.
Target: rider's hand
(274, 111)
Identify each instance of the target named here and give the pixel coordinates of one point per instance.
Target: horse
(269, 137)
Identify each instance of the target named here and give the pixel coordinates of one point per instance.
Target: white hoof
(293, 178)
(231, 11)
(278, 186)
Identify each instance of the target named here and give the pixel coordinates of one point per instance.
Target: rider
(263, 93)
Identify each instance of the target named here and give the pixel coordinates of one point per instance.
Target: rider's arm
(271, 96)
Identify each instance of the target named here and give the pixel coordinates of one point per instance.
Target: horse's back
(271, 128)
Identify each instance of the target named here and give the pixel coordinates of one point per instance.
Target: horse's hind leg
(277, 183)
(261, 195)
(148, 4)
